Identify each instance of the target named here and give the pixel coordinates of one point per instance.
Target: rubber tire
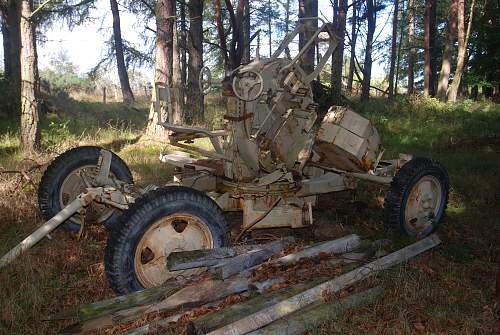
(122, 242)
(64, 165)
(401, 185)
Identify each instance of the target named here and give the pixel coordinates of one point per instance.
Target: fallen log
(184, 260)
(234, 312)
(319, 312)
(286, 307)
(241, 262)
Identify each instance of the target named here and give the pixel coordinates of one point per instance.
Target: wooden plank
(317, 313)
(244, 261)
(184, 260)
(189, 296)
(286, 307)
(94, 310)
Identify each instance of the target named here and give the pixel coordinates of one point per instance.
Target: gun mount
(271, 161)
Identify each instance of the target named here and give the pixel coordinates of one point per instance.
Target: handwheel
(68, 176)
(162, 221)
(244, 85)
(417, 199)
(205, 80)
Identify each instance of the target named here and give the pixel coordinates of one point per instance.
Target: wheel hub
(75, 184)
(178, 232)
(423, 204)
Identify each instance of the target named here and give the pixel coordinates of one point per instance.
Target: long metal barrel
(46, 228)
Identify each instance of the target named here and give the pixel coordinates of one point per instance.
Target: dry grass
(446, 291)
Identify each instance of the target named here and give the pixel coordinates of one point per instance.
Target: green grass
(448, 290)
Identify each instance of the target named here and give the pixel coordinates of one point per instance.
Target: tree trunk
(430, 49)
(194, 102)
(128, 96)
(12, 48)
(30, 131)
(338, 54)
(163, 61)
(177, 92)
(246, 33)
(444, 74)
(308, 8)
(354, 35)
(183, 43)
(6, 46)
(393, 49)
(400, 43)
(411, 44)
(463, 40)
(269, 28)
(367, 69)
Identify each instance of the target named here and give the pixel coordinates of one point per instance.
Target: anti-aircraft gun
(271, 161)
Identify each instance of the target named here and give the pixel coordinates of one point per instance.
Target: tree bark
(163, 61)
(338, 54)
(128, 96)
(394, 47)
(444, 74)
(308, 8)
(430, 48)
(177, 92)
(269, 28)
(194, 102)
(400, 43)
(367, 68)
(354, 36)
(6, 46)
(183, 42)
(11, 15)
(463, 40)
(411, 44)
(30, 131)
(246, 33)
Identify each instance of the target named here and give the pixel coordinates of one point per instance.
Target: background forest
(426, 72)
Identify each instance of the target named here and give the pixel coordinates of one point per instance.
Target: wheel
(164, 220)
(417, 198)
(66, 177)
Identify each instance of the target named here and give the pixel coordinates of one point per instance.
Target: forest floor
(446, 291)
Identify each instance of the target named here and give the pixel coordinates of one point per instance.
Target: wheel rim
(74, 184)
(423, 205)
(177, 232)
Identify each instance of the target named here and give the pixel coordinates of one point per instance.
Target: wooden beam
(183, 260)
(241, 262)
(286, 307)
(317, 313)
